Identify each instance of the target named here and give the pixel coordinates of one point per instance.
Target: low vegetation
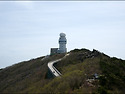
(83, 71)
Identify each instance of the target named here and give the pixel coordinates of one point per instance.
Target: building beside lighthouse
(62, 45)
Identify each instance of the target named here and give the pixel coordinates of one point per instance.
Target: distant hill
(83, 71)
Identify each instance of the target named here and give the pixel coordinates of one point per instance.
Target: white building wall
(62, 43)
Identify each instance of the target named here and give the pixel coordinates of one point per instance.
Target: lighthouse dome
(62, 34)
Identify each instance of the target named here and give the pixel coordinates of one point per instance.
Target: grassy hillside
(21, 76)
(83, 71)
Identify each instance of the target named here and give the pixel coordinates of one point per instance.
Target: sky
(28, 29)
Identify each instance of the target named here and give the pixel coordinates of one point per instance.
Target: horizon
(28, 29)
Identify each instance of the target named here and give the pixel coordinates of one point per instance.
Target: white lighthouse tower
(62, 43)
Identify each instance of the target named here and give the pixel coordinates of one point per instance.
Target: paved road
(53, 69)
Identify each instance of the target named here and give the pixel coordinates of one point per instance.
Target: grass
(77, 70)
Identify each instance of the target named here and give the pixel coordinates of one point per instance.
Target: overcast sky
(28, 29)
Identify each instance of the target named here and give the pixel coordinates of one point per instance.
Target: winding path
(54, 71)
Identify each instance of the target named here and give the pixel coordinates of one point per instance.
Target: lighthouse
(62, 43)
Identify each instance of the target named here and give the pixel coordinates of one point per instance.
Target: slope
(19, 77)
(83, 71)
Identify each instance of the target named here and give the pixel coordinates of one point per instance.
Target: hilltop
(83, 71)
